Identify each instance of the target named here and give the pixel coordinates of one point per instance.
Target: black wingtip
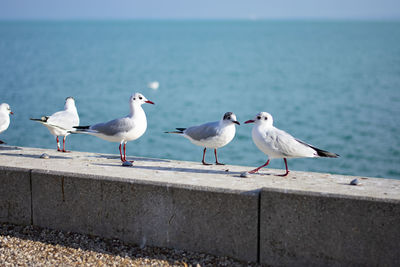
(320, 152)
(81, 127)
(326, 154)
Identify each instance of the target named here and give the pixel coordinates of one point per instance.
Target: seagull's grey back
(203, 131)
(114, 127)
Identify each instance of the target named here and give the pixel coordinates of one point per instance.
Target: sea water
(333, 84)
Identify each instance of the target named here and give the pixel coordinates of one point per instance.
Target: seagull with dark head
(212, 134)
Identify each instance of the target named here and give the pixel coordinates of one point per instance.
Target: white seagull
(61, 122)
(5, 112)
(124, 129)
(276, 143)
(212, 134)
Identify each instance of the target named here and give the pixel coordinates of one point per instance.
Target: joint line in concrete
(30, 185)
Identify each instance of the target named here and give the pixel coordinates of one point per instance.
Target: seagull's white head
(139, 99)
(4, 107)
(230, 117)
(262, 118)
(69, 102)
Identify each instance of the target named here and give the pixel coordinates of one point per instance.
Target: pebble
(127, 164)
(35, 246)
(245, 175)
(44, 156)
(355, 182)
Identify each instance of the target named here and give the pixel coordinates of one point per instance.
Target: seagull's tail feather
(42, 119)
(180, 131)
(2, 142)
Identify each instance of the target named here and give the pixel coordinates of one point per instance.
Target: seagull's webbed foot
(283, 175)
(219, 163)
(287, 169)
(205, 163)
(254, 171)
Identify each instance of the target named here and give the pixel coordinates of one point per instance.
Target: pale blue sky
(200, 9)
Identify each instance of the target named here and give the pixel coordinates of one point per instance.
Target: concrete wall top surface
(194, 174)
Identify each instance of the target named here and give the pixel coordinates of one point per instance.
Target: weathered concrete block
(310, 229)
(145, 213)
(15, 195)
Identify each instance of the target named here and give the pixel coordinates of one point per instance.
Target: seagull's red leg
(120, 152)
(125, 153)
(64, 145)
(204, 154)
(58, 144)
(216, 159)
(262, 166)
(287, 170)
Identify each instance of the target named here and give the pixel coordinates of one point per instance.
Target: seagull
(5, 112)
(61, 122)
(212, 134)
(124, 129)
(276, 143)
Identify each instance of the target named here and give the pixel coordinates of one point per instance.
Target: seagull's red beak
(249, 121)
(150, 102)
(12, 113)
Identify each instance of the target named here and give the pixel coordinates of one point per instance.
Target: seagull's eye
(258, 118)
(140, 97)
(265, 118)
(134, 98)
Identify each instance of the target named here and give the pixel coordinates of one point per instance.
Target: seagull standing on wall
(124, 129)
(5, 112)
(61, 122)
(276, 143)
(212, 134)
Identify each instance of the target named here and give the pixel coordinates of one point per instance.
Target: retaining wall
(301, 220)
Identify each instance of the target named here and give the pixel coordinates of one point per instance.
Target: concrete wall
(306, 229)
(15, 196)
(217, 222)
(273, 226)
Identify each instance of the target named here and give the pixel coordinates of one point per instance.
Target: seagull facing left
(61, 122)
(212, 134)
(5, 112)
(276, 143)
(124, 129)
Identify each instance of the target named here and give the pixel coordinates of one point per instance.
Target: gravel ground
(34, 246)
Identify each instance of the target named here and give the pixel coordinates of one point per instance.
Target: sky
(200, 9)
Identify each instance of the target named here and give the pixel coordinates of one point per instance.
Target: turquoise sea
(334, 84)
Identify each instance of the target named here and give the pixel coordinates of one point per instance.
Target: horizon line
(311, 19)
